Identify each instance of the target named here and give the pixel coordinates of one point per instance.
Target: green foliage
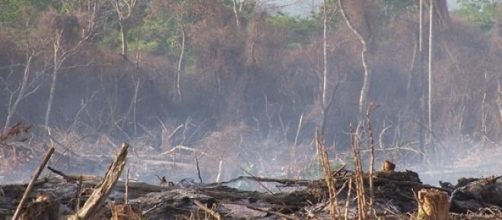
(159, 32)
(300, 29)
(391, 8)
(480, 12)
(165, 31)
(17, 12)
(69, 6)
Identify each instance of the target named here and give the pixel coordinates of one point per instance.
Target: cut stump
(388, 166)
(433, 204)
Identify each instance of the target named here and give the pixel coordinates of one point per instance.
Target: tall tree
(429, 100)
(367, 74)
(325, 68)
(420, 75)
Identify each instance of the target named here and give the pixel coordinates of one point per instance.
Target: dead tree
(63, 48)
(367, 74)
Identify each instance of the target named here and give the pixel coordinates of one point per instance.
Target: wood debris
(95, 197)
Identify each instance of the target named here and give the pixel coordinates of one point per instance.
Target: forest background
(246, 84)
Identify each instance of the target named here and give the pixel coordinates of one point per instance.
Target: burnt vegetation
(242, 87)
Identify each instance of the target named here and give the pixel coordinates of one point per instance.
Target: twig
(206, 209)
(163, 180)
(337, 172)
(66, 177)
(181, 147)
(285, 182)
(32, 182)
(198, 169)
(70, 178)
(342, 187)
(126, 197)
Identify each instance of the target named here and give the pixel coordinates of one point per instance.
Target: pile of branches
(93, 197)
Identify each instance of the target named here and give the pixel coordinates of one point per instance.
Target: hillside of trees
(244, 81)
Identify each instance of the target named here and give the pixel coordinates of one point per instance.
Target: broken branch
(103, 189)
(32, 182)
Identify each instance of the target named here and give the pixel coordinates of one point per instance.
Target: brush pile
(66, 195)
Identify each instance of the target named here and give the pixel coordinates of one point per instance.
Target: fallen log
(475, 193)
